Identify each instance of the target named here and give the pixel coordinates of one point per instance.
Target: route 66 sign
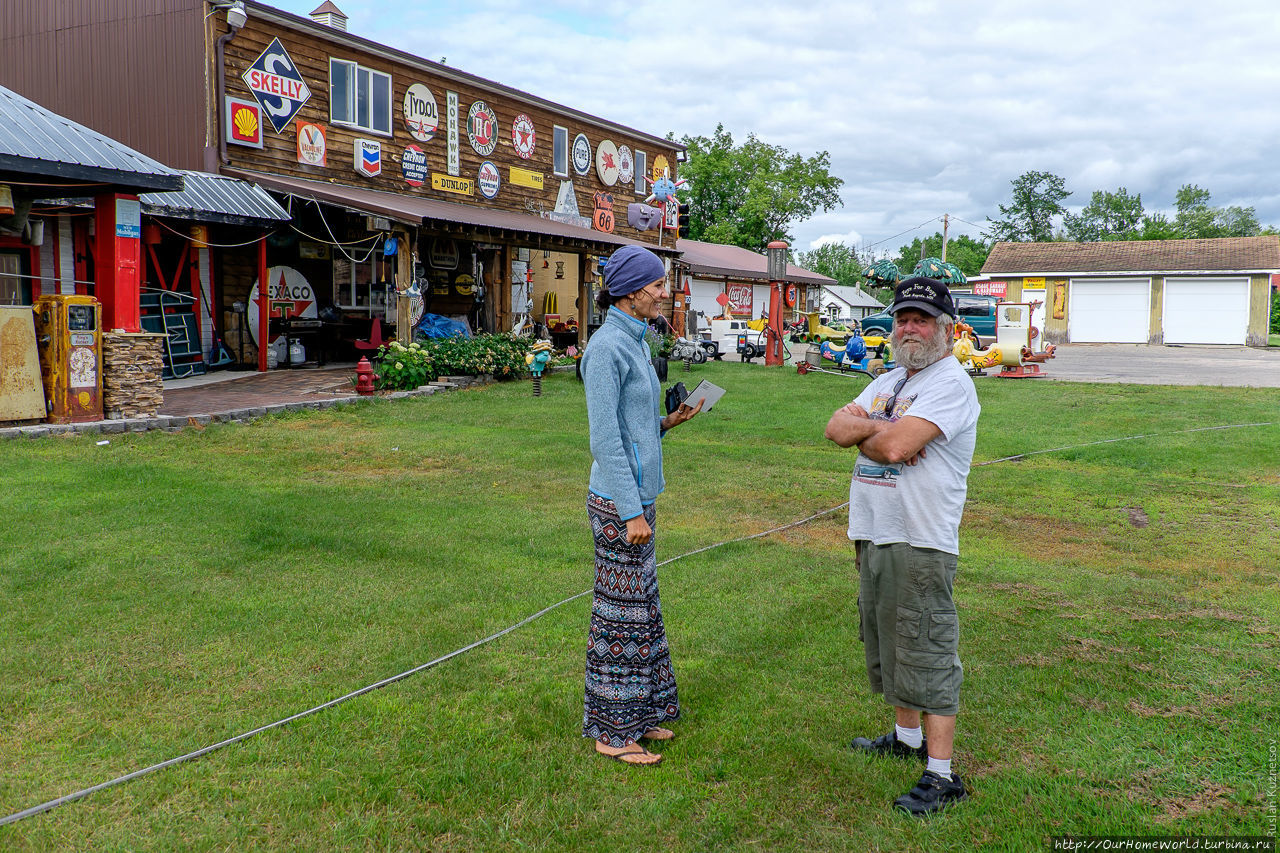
(581, 154)
(482, 128)
(603, 219)
(523, 138)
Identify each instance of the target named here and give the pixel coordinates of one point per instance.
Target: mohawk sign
(276, 83)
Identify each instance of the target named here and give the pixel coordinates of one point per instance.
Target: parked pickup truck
(725, 333)
(977, 311)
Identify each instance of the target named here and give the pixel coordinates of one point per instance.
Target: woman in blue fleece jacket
(630, 687)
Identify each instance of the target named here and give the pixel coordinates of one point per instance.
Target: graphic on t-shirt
(879, 475)
(900, 406)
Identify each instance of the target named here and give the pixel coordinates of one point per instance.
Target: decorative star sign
(664, 189)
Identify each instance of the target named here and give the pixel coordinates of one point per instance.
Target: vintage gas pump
(777, 253)
(69, 337)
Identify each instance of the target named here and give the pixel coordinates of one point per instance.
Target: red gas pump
(777, 251)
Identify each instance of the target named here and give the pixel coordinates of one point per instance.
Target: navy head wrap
(631, 268)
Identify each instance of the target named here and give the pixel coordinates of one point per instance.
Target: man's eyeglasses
(893, 400)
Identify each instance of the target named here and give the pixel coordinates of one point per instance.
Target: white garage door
(1206, 310)
(1110, 310)
(759, 300)
(703, 298)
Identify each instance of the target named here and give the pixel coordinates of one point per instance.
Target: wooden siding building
(397, 170)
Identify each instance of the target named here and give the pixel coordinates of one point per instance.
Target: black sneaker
(890, 745)
(931, 794)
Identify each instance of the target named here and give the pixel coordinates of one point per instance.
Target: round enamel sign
(488, 179)
(482, 128)
(523, 138)
(626, 165)
(420, 114)
(660, 167)
(581, 154)
(607, 162)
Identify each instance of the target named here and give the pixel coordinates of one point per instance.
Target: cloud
(926, 107)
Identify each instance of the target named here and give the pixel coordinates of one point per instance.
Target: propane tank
(297, 354)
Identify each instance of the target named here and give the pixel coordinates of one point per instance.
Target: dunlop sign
(461, 186)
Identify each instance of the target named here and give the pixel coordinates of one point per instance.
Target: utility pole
(944, 236)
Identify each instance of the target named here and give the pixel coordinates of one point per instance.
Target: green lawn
(1119, 606)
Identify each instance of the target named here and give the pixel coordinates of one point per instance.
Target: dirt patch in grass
(1206, 797)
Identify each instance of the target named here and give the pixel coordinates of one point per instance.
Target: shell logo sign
(243, 123)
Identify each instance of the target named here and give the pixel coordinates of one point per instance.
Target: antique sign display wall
(420, 114)
(525, 178)
(277, 85)
(460, 186)
(451, 115)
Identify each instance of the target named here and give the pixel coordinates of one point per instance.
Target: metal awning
(217, 198)
(716, 259)
(39, 142)
(418, 210)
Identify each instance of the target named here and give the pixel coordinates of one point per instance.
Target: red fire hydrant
(364, 378)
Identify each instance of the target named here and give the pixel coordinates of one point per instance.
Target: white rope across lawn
(78, 795)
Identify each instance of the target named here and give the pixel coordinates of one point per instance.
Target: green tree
(1157, 226)
(748, 195)
(962, 250)
(1028, 218)
(1194, 218)
(1108, 216)
(1236, 221)
(835, 260)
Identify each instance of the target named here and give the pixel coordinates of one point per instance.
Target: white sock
(941, 766)
(911, 737)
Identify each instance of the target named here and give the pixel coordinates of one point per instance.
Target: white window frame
(560, 151)
(352, 101)
(642, 172)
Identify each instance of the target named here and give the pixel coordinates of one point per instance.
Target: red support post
(264, 304)
(118, 241)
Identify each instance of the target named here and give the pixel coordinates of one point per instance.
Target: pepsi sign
(277, 85)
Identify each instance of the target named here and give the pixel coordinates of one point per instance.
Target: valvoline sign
(277, 84)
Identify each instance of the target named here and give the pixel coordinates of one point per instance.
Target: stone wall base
(132, 368)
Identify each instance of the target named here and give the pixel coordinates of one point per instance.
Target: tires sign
(488, 180)
(523, 138)
(482, 128)
(414, 165)
(420, 114)
(581, 154)
(277, 85)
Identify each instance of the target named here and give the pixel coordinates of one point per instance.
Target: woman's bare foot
(632, 753)
(658, 733)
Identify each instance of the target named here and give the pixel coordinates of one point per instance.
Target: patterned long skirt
(631, 686)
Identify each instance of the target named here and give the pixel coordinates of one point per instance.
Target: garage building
(1144, 291)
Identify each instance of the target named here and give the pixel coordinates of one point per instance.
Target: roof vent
(330, 15)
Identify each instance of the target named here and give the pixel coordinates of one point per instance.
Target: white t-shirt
(918, 504)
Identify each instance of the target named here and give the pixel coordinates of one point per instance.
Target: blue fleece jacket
(624, 415)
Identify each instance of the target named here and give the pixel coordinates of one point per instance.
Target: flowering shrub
(402, 368)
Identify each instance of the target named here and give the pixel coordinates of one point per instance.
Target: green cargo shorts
(908, 626)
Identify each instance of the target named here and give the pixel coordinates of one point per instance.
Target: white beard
(915, 354)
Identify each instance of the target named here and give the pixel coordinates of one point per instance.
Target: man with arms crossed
(915, 429)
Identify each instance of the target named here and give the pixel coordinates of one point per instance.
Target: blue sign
(277, 84)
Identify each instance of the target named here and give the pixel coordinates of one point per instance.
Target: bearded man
(915, 429)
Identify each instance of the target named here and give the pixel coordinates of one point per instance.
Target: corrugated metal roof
(38, 141)
(854, 297)
(736, 262)
(417, 210)
(1234, 254)
(216, 198)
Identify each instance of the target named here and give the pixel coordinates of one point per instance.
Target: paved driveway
(1165, 365)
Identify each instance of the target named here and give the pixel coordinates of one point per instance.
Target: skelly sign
(277, 85)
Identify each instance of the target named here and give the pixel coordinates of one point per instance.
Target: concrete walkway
(1141, 364)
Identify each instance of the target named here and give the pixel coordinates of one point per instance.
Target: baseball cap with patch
(924, 294)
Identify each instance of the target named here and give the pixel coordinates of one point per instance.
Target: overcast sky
(925, 107)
